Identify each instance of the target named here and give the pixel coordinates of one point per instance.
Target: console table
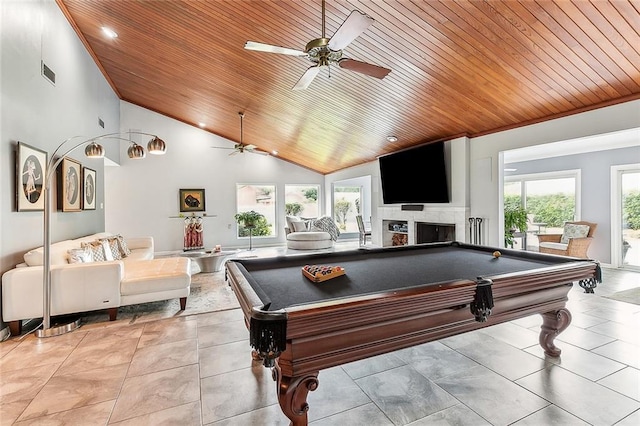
(208, 261)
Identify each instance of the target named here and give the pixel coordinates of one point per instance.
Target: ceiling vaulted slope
(458, 68)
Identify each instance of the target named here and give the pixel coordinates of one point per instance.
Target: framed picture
(31, 164)
(192, 200)
(69, 186)
(88, 189)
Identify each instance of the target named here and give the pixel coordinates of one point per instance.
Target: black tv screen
(415, 175)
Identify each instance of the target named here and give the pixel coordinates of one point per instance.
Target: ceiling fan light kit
(325, 51)
(240, 148)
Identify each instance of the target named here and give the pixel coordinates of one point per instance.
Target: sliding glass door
(625, 190)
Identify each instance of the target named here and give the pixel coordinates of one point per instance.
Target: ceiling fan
(240, 148)
(325, 51)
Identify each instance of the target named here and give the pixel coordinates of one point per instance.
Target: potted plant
(515, 219)
(249, 220)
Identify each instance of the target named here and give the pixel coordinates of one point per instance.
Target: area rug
(209, 293)
(630, 296)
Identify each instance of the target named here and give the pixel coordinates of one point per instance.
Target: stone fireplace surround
(441, 215)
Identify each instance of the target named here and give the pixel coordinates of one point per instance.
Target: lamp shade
(136, 152)
(94, 150)
(156, 146)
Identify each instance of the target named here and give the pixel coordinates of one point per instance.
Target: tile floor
(197, 370)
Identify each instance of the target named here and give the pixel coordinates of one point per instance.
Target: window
(302, 200)
(551, 199)
(346, 205)
(261, 199)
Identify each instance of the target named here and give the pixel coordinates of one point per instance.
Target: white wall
(142, 195)
(43, 115)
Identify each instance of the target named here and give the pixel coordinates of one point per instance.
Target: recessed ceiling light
(109, 32)
(392, 139)
(201, 124)
(274, 152)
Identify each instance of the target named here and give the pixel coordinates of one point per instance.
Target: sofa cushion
(572, 230)
(149, 276)
(80, 255)
(554, 246)
(58, 254)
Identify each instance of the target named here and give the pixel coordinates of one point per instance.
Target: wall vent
(48, 73)
(100, 122)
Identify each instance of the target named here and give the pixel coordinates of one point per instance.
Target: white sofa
(97, 285)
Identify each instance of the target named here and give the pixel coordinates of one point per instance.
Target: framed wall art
(88, 189)
(69, 186)
(31, 164)
(192, 200)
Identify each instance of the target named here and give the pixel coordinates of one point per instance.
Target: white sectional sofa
(96, 285)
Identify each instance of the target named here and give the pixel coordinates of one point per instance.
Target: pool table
(391, 298)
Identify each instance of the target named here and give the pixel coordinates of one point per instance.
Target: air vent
(100, 122)
(48, 73)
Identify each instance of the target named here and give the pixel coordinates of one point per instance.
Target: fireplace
(434, 232)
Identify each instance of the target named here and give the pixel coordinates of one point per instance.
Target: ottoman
(309, 240)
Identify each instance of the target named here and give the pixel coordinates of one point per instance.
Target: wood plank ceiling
(463, 67)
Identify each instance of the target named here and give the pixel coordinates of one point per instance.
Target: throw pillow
(572, 230)
(290, 220)
(299, 226)
(79, 255)
(97, 250)
(108, 255)
(124, 249)
(326, 224)
(114, 247)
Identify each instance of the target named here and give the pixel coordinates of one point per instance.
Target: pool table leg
(292, 394)
(553, 323)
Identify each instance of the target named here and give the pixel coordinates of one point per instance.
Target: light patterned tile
(150, 359)
(171, 330)
(560, 387)
(435, 360)
(367, 414)
(24, 384)
(231, 394)
(220, 334)
(456, 415)
(33, 351)
(373, 365)
(404, 395)
(626, 382)
(98, 354)
(225, 358)
(63, 393)
(90, 415)
(620, 351)
(153, 392)
(187, 415)
(551, 415)
(336, 392)
(494, 398)
(219, 317)
(10, 411)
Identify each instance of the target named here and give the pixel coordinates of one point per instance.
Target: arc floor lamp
(93, 149)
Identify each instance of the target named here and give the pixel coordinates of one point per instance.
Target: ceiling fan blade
(355, 24)
(364, 68)
(257, 151)
(221, 147)
(269, 48)
(307, 78)
(250, 147)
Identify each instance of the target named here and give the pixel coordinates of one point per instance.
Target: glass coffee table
(208, 260)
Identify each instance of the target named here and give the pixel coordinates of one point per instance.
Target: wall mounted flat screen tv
(415, 175)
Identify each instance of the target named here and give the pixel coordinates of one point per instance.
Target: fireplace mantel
(447, 215)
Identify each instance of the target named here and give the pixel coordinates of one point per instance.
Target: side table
(208, 261)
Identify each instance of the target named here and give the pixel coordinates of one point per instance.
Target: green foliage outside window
(292, 209)
(311, 194)
(631, 211)
(254, 222)
(341, 208)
